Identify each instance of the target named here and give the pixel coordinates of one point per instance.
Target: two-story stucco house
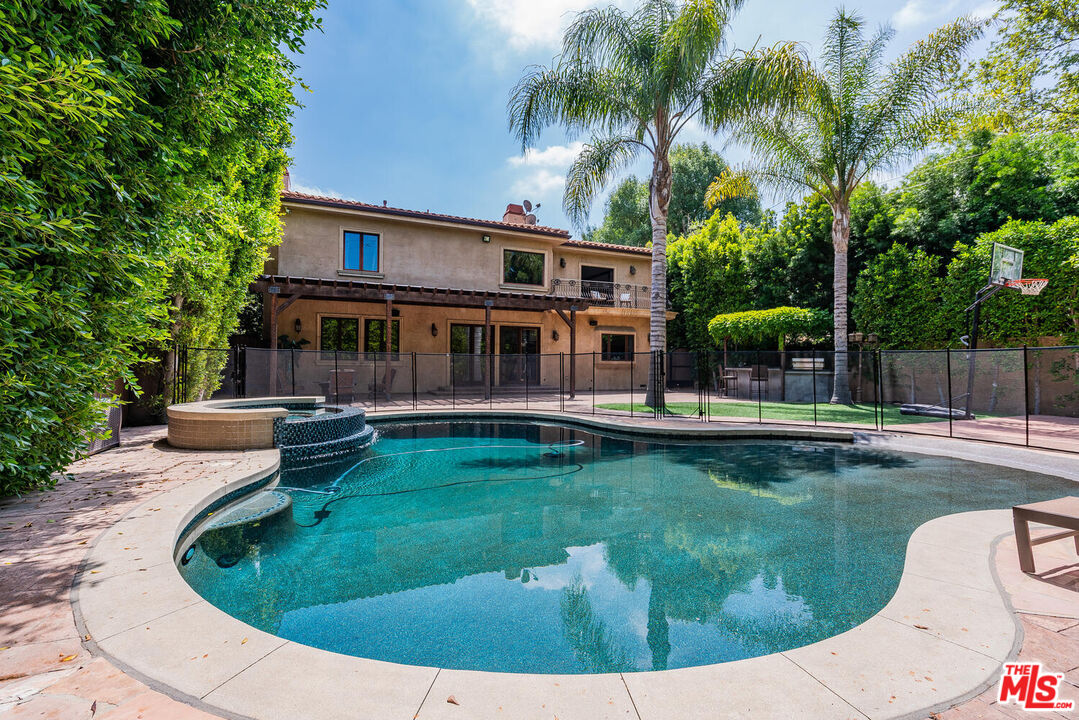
(508, 289)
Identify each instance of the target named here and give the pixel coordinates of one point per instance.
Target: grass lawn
(802, 412)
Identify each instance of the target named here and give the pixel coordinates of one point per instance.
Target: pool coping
(915, 656)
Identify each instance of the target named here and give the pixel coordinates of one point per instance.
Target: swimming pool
(543, 548)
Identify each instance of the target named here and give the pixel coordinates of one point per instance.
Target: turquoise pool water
(547, 549)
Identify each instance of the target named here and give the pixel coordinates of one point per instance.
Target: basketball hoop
(1028, 286)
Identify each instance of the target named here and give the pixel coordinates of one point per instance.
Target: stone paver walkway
(46, 672)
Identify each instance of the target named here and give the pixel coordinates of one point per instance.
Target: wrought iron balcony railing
(602, 294)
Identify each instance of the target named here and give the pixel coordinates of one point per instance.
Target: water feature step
(259, 506)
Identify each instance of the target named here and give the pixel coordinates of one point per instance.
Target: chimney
(288, 181)
(514, 214)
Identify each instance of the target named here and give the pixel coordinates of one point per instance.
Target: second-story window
(522, 268)
(361, 251)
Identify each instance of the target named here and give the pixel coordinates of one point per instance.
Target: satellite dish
(530, 219)
(528, 206)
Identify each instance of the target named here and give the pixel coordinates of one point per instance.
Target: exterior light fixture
(561, 262)
(434, 330)
(593, 322)
(632, 269)
(554, 335)
(487, 238)
(298, 325)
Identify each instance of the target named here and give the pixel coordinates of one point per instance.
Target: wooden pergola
(285, 290)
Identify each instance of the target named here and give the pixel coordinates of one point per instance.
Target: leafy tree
(636, 79)
(692, 170)
(898, 298)
(1029, 79)
(985, 181)
(80, 265)
(141, 146)
(626, 222)
(707, 275)
(852, 116)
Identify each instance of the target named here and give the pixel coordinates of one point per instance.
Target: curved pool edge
(910, 658)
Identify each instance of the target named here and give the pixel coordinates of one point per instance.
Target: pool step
(258, 507)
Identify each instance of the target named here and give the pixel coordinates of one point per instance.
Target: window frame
(362, 234)
(328, 354)
(544, 255)
(395, 324)
(607, 355)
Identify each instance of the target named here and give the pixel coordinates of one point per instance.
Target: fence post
(413, 380)
(453, 390)
(760, 405)
(528, 371)
(336, 378)
(561, 382)
(632, 363)
(813, 379)
(948, 367)
(1026, 394)
(880, 384)
(877, 401)
(593, 382)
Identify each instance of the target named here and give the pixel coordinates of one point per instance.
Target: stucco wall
(415, 336)
(417, 252)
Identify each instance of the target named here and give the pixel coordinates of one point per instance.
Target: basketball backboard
(1007, 264)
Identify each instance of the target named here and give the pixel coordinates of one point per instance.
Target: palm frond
(728, 185)
(593, 168)
(569, 95)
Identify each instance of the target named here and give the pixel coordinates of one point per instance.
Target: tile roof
(305, 199)
(609, 247)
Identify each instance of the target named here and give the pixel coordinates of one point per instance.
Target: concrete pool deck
(939, 641)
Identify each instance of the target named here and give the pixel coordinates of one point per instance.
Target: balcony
(602, 294)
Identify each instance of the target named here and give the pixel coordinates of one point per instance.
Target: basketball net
(1028, 286)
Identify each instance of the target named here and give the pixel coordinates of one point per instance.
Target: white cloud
(541, 184)
(916, 13)
(551, 156)
(528, 24)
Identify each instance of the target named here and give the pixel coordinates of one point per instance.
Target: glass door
(518, 350)
(468, 348)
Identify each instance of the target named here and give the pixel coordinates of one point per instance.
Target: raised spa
(551, 549)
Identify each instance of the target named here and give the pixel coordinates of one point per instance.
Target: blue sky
(408, 97)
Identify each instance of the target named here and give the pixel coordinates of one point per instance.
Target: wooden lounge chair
(1062, 512)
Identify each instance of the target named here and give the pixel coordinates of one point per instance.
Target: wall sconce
(593, 322)
(298, 326)
(487, 238)
(561, 262)
(632, 269)
(554, 335)
(434, 330)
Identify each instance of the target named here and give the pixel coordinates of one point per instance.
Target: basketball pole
(982, 295)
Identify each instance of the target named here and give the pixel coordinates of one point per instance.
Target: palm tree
(635, 80)
(852, 116)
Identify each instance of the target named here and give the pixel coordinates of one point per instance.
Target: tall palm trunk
(658, 206)
(840, 242)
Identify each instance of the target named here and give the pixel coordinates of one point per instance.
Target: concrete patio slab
(791, 694)
(489, 696)
(296, 681)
